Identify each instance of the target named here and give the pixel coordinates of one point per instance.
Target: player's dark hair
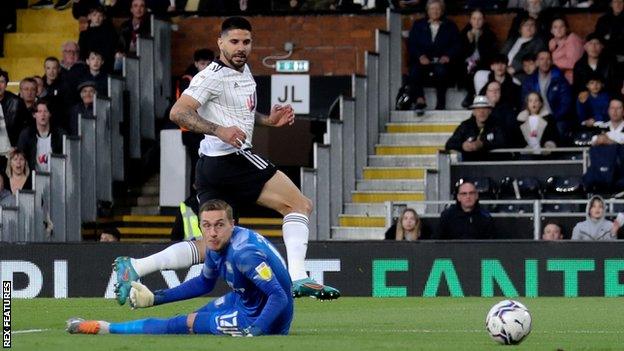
(203, 54)
(217, 205)
(235, 23)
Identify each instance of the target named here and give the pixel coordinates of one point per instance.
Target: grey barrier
(161, 32)
(395, 27)
(10, 223)
(145, 52)
(382, 45)
(131, 74)
(88, 161)
(71, 148)
(333, 137)
(26, 215)
(347, 116)
(308, 188)
(323, 198)
(41, 185)
(103, 132)
(359, 93)
(57, 196)
(115, 93)
(372, 100)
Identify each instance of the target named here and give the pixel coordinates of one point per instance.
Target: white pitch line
(28, 331)
(426, 331)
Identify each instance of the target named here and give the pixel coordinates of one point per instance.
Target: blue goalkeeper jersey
(255, 270)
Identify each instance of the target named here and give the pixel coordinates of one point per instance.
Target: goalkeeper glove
(141, 296)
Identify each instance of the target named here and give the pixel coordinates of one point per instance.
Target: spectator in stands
(502, 114)
(40, 140)
(593, 107)
(138, 25)
(555, 90)
(82, 109)
(52, 77)
(540, 11)
(528, 68)
(517, 47)
(595, 60)
(93, 72)
(407, 226)
(99, 37)
(552, 232)
(70, 56)
(433, 45)
(535, 6)
(566, 47)
(28, 93)
(40, 89)
(201, 59)
(478, 134)
(509, 90)
(596, 226)
(537, 126)
(109, 235)
(13, 115)
(18, 172)
(615, 133)
(478, 48)
(465, 219)
(610, 27)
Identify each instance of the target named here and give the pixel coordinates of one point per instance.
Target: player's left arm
(254, 265)
(280, 115)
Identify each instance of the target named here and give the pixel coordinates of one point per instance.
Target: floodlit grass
(346, 324)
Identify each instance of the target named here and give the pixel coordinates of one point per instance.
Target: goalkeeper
(261, 301)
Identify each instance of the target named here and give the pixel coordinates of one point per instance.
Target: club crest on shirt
(264, 271)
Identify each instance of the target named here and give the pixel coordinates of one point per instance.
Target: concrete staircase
(396, 171)
(40, 33)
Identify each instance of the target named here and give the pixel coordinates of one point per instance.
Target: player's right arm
(184, 113)
(141, 296)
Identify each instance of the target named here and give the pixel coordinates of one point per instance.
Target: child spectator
(407, 226)
(538, 128)
(596, 226)
(593, 107)
(99, 37)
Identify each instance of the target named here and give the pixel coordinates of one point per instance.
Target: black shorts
(236, 178)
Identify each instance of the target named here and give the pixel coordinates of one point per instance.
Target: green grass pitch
(345, 324)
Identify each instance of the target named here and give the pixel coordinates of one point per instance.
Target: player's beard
(242, 60)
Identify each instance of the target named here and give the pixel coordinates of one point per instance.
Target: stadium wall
(334, 44)
(380, 269)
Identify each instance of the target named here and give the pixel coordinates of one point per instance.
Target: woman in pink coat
(566, 47)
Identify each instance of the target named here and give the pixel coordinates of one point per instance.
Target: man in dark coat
(16, 115)
(433, 46)
(465, 220)
(478, 134)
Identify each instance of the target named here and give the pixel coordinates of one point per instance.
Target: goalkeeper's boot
(125, 275)
(309, 287)
(80, 326)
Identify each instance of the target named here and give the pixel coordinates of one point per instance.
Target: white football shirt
(227, 98)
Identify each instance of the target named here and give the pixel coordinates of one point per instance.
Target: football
(508, 322)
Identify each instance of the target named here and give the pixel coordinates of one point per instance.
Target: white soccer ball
(508, 322)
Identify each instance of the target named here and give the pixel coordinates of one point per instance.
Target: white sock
(296, 233)
(104, 327)
(179, 255)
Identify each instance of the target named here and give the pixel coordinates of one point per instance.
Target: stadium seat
(564, 187)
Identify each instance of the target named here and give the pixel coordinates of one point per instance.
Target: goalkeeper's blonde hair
(217, 205)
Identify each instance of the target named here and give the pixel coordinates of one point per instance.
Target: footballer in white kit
(220, 103)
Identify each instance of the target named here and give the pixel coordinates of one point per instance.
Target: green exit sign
(292, 66)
